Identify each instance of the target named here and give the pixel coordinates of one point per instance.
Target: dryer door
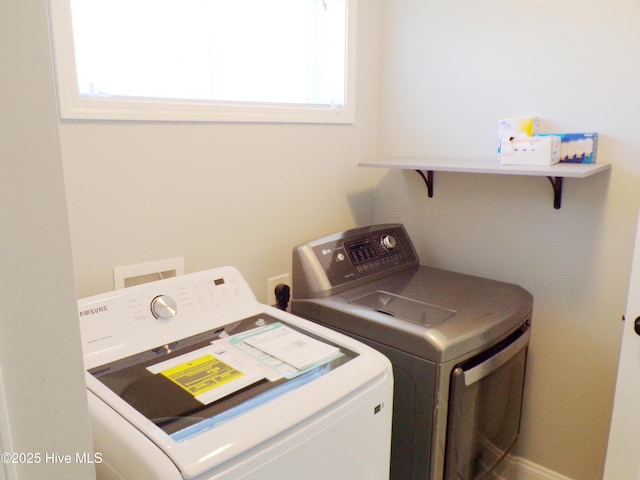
(485, 403)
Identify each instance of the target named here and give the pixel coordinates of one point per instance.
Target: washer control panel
(162, 309)
(364, 252)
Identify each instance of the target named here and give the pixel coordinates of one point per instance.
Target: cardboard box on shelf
(517, 127)
(536, 150)
(577, 147)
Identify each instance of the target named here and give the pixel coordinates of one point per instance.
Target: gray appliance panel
(345, 260)
(485, 399)
(414, 311)
(426, 320)
(485, 311)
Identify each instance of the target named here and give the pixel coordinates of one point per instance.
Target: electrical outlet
(271, 286)
(130, 275)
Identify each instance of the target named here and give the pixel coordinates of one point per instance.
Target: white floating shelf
(555, 173)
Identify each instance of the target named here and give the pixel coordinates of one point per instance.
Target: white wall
(40, 354)
(450, 71)
(219, 194)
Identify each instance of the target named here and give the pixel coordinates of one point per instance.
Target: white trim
(518, 468)
(73, 106)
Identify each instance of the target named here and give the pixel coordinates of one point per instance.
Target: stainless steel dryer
(458, 345)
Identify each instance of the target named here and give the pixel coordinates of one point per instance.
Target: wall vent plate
(130, 275)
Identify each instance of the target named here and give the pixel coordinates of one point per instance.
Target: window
(205, 60)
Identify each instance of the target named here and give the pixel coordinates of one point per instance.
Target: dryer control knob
(388, 242)
(163, 307)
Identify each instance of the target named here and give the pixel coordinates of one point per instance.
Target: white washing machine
(192, 378)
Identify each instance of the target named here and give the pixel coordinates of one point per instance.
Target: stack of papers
(292, 347)
(225, 367)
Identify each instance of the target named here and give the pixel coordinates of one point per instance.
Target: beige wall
(218, 194)
(450, 71)
(245, 194)
(40, 355)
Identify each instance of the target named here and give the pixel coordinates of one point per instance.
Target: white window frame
(73, 106)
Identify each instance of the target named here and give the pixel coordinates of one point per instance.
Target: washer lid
(195, 384)
(415, 311)
(202, 436)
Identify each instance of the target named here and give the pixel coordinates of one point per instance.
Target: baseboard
(517, 468)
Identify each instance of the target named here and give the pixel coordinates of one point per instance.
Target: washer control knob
(388, 242)
(163, 307)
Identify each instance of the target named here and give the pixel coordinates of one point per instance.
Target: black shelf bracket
(428, 180)
(556, 183)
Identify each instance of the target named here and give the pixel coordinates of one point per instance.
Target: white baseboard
(517, 468)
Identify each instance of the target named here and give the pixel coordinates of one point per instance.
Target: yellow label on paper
(201, 374)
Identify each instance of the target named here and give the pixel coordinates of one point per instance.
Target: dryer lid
(415, 311)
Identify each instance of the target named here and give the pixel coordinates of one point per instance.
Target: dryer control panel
(351, 256)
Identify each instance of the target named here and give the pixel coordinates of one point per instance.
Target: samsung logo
(100, 371)
(93, 311)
